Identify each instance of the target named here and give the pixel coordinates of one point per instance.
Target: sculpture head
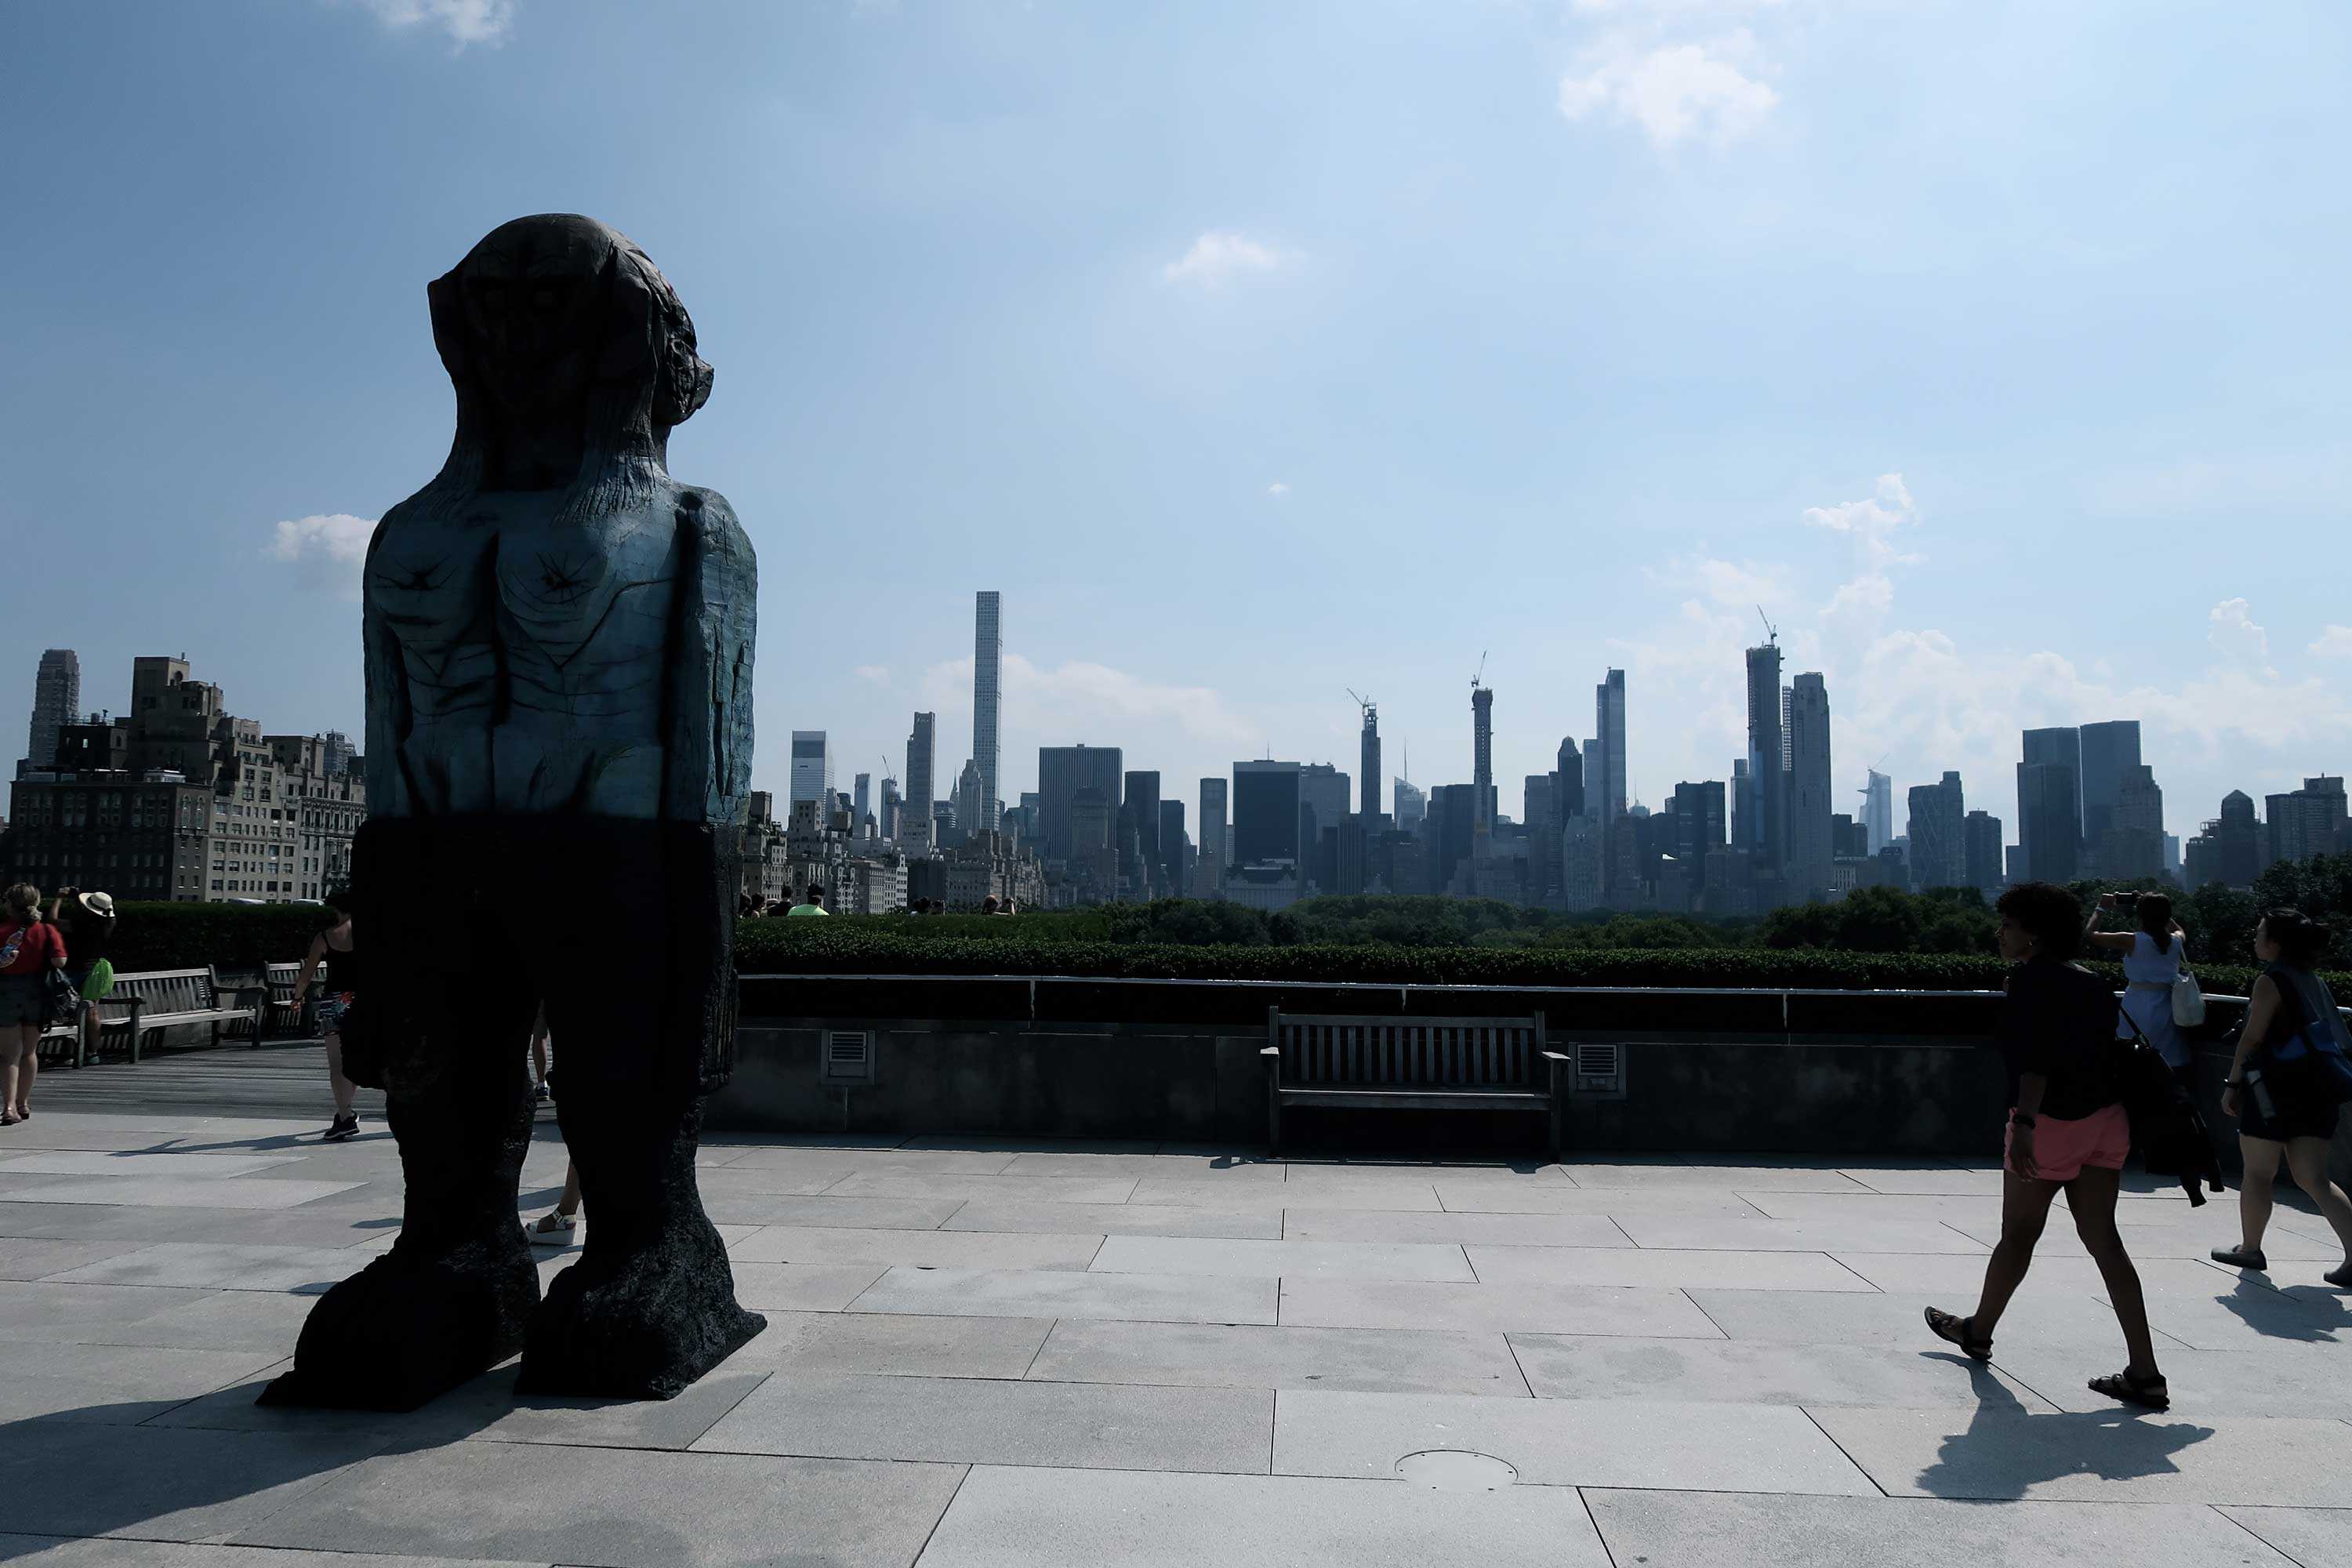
(571, 353)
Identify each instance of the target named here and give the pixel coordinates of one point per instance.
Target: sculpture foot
(638, 1324)
(401, 1332)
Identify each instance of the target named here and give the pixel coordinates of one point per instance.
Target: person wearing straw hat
(87, 923)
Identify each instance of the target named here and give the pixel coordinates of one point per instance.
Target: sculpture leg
(640, 988)
(441, 1027)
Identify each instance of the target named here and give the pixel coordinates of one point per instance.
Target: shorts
(2062, 1149)
(24, 1000)
(2295, 1119)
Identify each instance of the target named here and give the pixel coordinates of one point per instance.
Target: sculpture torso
(533, 653)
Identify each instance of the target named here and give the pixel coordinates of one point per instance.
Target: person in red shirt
(29, 948)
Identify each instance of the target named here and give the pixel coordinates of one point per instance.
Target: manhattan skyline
(1492, 353)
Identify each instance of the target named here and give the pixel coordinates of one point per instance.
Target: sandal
(1960, 1331)
(2148, 1393)
(2241, 1257)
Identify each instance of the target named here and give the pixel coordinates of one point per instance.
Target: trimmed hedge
(189, 936)
(842, 947)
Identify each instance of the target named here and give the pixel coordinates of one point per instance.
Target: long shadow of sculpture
(557, 642)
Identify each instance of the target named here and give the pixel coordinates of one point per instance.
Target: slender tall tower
(1369, 769)
(914, 815)
(987, 658)
(1810, 851)
(1481, 756)
(57, 702)
(1608, 719)
(1767, 817)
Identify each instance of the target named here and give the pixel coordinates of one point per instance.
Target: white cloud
(465, 21)
(1277, 488)
(2336, 642)
(1675, 91)
(879, 674)
(328, 550)
(2231, 630)
(1918, 700)
(1218, 257)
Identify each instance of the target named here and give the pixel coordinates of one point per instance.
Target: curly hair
(2048, 913)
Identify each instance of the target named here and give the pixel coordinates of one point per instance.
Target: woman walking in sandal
(2278, 1116)
(2067, 1131)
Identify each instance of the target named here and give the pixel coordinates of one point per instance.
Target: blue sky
(1257, 351)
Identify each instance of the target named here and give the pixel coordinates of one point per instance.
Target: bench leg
(1273, 1117)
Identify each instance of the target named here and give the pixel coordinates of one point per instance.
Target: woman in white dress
(2152, 958)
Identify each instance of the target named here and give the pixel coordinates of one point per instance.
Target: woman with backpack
(2281, 1113)
(29, 948)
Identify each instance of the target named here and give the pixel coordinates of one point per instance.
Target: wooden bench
(1411, 1064)
(169, 996)
(267, 990)
(117, 1014)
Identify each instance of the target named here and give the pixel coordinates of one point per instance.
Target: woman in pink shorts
(2067, 1131)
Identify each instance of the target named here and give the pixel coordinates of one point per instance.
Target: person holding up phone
(2152, 958)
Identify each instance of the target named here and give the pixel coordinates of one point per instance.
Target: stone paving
(986, 1353)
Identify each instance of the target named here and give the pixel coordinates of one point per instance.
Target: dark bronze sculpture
(559, 742)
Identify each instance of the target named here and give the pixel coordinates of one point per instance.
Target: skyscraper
(970, 804)
(1326, 799)
(1764, 818)
(2050, 805)
(812, 770)
(1171, 849)
(987, 657)
(1140, 815)
(1411, 805)
(1062, 773)
(1368, 763)
(2132, 850)
(1700, 824)
(861, 804)
(887, 823)
(1938, 835)
(1568, 774)
(2109, 752)
(1266, 813)
(1212, 878)
(1878, 811)
(1482, 758)
(1981, 845)
(57, 702)
(1609, 720)
(1810, 806)
(915, 811)
(2306, 822)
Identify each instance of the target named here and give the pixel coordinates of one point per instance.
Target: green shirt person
(812, 905)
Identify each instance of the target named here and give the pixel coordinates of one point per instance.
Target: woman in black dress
(2280, 1116)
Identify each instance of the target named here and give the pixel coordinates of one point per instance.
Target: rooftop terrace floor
(985, 1353)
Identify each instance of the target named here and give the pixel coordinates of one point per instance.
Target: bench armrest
(1269, 1050)
(1554, 1057)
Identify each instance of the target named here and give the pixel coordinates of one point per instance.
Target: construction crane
(1480, 676)
(1771, 632)
(1365, 703)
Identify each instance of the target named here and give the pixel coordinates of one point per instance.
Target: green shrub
(190, 936)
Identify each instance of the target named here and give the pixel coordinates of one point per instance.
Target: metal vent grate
(848, 1056)
(1600, 1070)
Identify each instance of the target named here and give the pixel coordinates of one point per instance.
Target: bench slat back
(1421, 1053)
(170, 990)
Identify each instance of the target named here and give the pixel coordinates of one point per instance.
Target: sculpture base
(644, 1325)
(396, 1336)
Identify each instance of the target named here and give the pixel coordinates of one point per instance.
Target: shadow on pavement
(2008, 1449)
